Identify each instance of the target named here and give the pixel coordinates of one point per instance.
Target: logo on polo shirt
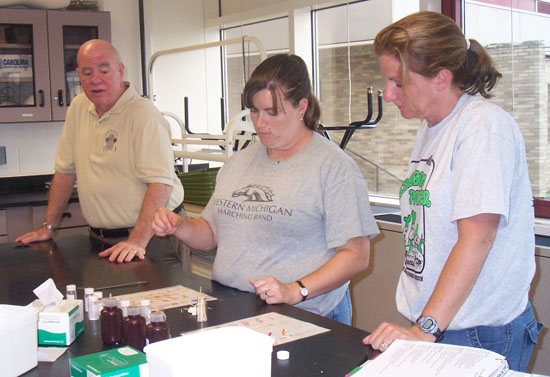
(111, 137)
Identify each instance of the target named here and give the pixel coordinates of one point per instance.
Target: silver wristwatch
(303, 290)
(48, 226)
(428, 325)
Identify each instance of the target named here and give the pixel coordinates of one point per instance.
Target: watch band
(48, 226)
(303, 290)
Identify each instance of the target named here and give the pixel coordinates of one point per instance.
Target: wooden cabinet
(3, 227)
(20, 220)
(38, 54)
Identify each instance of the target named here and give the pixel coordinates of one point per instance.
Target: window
(344, 42)
(518, 39)
(240, 61)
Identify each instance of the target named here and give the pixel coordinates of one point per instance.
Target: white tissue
(47, 293)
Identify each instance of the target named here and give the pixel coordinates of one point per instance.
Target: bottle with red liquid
(134, 329)
(158, 329)
(111, 322)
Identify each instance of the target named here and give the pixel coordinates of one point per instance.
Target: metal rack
(236, 134)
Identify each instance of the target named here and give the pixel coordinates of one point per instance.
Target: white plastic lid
(158, 316)
(283, 355)
(145, 302)
(110, 302)
(88, 291)
(133, 310)
(124, 303)
(71, 287)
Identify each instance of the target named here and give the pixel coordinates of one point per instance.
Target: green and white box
(124, 361)
(59, 325)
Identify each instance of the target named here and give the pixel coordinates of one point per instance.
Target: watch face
(428, 323)
(304, 291)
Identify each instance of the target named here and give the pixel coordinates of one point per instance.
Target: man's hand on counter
(124, 252)
(41, 234)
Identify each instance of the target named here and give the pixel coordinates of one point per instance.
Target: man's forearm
(156, 196)
(60, 191)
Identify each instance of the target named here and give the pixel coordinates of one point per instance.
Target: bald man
(118, 146)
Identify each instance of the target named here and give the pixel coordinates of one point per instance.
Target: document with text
(424, 359)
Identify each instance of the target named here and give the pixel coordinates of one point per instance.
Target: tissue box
(18, 350)
(226, 351)
(59, 325)
(124, 361)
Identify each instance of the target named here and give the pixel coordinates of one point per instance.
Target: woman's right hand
(166, 222)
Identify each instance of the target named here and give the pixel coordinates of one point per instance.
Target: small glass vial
(134, 329)
(145, 306)
(93, 308)
(87, 293)
(124, 304)
(111, 323)
(158, 329)
(70, 293)
(201, 310)
(99, 295)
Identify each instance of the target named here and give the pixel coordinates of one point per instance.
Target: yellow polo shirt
(115, 157)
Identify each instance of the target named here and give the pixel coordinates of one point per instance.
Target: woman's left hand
(387, 333)
(273, 291)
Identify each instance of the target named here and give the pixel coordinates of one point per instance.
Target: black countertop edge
(396, 218)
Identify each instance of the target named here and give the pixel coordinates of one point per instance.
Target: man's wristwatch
(48, 226)
(429, 326)
(303, 290)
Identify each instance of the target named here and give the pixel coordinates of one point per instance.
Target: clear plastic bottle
(93, 308)
(87, 293)
(134, 329)
(124, 304)
(158, 329)
(99, 295)
(111, 322)
(70, 293)
(145, 306)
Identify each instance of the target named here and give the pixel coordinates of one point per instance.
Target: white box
(226, 351)
(61, 324)
(18, 348)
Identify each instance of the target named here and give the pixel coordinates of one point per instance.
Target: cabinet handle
(41, 93)
(67, 215)
(60, 97)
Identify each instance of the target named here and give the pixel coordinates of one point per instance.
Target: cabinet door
(67, 30)
(24, 71)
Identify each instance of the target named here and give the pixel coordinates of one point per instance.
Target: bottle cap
(133, 310)
(145, 302)
(99, 294)
(124, 303)
(88, 291)
(283, 355)
(158, 316)
(71, 287)
(110, 302)
(93, 298)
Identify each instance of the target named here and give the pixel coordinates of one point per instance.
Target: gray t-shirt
(472, 162)
(284, 219)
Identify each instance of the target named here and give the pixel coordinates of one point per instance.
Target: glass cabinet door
(24, 83)
(68, 30)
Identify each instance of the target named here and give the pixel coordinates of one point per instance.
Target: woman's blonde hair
(427, 42)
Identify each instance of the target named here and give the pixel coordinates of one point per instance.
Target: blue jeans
(342, 311)
(515, 340)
